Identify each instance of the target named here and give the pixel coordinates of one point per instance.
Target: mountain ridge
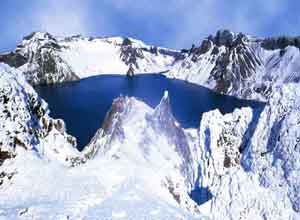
(228, 63)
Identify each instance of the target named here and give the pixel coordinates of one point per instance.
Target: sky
(169, 23)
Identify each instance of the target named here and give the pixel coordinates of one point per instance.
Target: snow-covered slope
(151, 139)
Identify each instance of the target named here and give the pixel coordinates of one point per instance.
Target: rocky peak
(38, 57)
(126, 42)
(35, 42)
(234, 63)
(222, 38)
(228, 38)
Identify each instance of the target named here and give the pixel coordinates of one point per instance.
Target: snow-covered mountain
(229, 63)
(141, 164)
(47, 59)
(241, 65)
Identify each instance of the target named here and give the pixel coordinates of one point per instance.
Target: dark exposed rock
(227, 161)
(13, 59)
(280, 42)
(236, 64)
(184, 51)
(154, 50)
(20, 143)
(130, 71)
(129, 55)
(4, 155)
(6, 176)
(204, 48)
(72, 140)
(224, 37)
(126, 42)
(60, 125)
(215, 51)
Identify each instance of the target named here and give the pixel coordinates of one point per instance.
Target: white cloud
(173, 23)
(192, 20)
(62, 17)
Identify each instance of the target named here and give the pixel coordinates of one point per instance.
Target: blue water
(84, 104)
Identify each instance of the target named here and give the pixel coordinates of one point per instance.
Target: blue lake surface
(84, 104)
